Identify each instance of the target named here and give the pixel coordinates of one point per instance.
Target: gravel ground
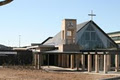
(27, 74)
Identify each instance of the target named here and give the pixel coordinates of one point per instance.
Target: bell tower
(68, 32)
(68, 36)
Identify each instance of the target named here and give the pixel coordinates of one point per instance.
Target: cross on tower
(92, 15)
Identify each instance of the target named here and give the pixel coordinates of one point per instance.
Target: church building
(83, 45)
(88, 35)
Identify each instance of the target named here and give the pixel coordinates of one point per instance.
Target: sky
(36, 20)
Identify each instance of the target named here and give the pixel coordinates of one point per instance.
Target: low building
(115, 36)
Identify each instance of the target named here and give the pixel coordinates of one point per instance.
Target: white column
(77, 61)
(116, 62)
(72, 61)
(83, 61)
(35, 60)
(93, 60)
(38, 65)
(108, 61)
(89, 63)
(40, 60)
(105, 63)
(97, 63)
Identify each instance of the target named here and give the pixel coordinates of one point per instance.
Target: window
(63, 35)
(69, 33)
(87, 35)
(116, 38)
(93, 35)
(110, 44)
(90, 28)
(90, 39)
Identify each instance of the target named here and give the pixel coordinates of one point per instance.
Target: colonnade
(81, 61)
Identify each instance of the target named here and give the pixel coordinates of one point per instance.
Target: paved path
(69, 70)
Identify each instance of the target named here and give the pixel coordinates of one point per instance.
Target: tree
(5, 2)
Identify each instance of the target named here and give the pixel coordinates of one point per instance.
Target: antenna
(19, 40)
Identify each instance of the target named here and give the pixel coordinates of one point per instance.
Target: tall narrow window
(63, 35)
(87, 36)
(93, 36)
(69, 33)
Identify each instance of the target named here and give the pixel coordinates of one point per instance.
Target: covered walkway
(90, 60)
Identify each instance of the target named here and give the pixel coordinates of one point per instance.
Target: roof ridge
(84, 22)
(81, 25)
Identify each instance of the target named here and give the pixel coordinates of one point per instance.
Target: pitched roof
(57, 38)
(104, 33)
(46, 40)
(81, 25)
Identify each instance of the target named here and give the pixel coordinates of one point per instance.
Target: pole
(48, 60)
(19, 40)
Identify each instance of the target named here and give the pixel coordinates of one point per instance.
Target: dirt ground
(27, 74)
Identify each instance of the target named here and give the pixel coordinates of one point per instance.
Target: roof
(46, 40)
(58, 51)
(57, 39)
(81, 25)
(117, 32)
(39, 46)
(19, 48)
(101, 51)
(104, 33)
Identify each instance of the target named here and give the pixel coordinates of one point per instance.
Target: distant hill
(3, 47)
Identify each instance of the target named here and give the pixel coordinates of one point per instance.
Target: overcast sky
(35, 20)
